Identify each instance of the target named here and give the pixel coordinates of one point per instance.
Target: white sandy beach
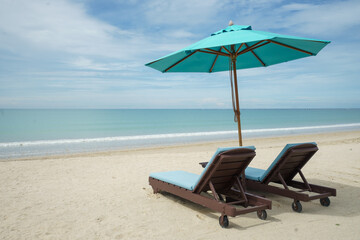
(107, 195)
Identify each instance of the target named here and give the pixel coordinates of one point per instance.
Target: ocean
(28, 133)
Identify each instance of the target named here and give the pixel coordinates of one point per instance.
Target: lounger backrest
(290, 160)
(223, 169)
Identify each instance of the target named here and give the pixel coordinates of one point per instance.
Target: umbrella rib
(213, 52)
(252, 47)
(239, 49)
(288, 46)
(180, 61)
(212, 66)
(222, 47)
(256, 56)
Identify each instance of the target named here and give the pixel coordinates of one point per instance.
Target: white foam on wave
(114, 139)
(173, 135)
(302, 128)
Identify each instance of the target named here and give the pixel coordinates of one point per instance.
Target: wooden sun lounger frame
(222, 178)
(288, 166)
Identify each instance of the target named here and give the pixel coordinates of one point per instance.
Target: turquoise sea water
(26, 133)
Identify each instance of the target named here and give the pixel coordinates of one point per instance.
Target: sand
(107, 196)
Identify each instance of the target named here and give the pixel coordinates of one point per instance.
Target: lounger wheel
(262, 214)
(224, 221)
(325, 201)
(296, 206)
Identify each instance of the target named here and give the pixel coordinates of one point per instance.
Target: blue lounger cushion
(189, 180)
(254, 173)
(179, 178)
(257, 174)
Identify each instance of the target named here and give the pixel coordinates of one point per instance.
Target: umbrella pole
(237, 112)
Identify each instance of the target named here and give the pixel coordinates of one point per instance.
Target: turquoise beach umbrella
(237, 47)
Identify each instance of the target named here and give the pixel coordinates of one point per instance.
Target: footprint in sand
(200, 217)
(100, 219)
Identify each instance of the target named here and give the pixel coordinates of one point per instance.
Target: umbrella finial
(231, 23)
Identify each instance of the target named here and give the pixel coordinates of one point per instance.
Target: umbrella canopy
(237, 47)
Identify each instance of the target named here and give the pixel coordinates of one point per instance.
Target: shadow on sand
(347, 195)
(215, 215)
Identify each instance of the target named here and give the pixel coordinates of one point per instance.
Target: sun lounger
(278, 178)
(221, 178)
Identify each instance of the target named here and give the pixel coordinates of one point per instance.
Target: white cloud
(52, 25)
(64, 31)
(179, 33)
(180, 12)
(328, 19)
(296, 7)
(64, 28)
(86, 63)
(89, 64)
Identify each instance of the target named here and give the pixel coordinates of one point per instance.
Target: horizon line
(297, 108)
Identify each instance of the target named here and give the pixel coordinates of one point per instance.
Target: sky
(92, 54)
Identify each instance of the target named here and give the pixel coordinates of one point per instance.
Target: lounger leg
(212, 188)
(155, 190)
(243, 181)
(242, 192)
(304, 180)
(221, 198)
(283, 181)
